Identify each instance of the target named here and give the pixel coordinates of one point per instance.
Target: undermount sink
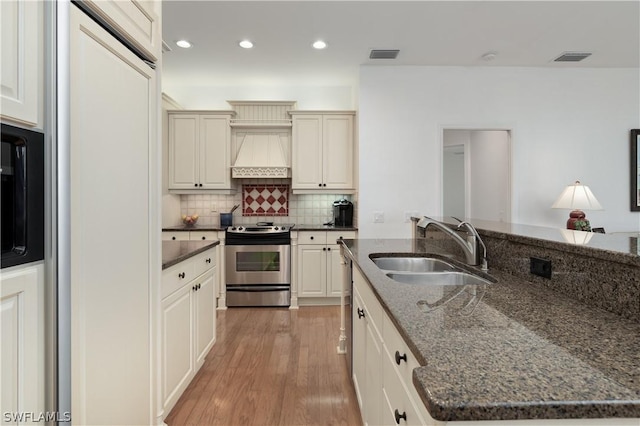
(438, 278)
(412, 264)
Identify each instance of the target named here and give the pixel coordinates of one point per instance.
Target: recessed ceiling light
(185, 44)
(246, 44)
(319, 44)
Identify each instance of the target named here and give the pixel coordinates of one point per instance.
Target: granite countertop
(523, 352)
(305, 227)
(174, 252)
(193, 228)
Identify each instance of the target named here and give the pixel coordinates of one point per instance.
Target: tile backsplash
(308, 209)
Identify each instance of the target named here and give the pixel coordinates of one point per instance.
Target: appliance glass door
(258, 264)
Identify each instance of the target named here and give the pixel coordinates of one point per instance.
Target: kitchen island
(522, 352)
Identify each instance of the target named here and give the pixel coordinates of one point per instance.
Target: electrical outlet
(378, 217)
(540, 267)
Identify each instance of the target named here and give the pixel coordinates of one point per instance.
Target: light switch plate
(378, 217)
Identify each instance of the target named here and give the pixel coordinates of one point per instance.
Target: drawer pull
(399, 357)
(208, 260)
(204, 238)
(173, 238)
(311, 238)
(329, 248)
(360, 313)
(181, 275)
(399, 416)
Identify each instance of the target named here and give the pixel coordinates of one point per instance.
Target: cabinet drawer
(394, 343)
(175, 235)
(177, 276)
(319, 237)
(333, 236)
(203, 235)
(204, 261)
(397, 400)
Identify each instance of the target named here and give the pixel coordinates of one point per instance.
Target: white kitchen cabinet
(22, 349)
(367, 351)
(322, 150)
(319, 264)
(199, 151)
(21, 51)
(114, 244)
(188, 322)
(189, 235)
(135, 20)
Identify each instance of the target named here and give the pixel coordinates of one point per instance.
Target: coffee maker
(343, 212)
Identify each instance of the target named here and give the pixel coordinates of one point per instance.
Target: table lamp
(577, 197)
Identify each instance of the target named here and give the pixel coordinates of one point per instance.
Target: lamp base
(578, 221)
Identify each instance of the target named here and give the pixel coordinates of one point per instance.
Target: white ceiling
(458, 33)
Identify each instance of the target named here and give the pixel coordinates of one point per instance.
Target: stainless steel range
(258, 265)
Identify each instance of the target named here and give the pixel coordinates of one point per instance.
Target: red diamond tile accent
(271, 199)
(265, 200)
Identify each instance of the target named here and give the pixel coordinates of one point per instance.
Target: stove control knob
(240, 228)
(233, 228)
(283, 228)
(275, 228)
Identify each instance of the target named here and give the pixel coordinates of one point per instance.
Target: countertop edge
(191, 253)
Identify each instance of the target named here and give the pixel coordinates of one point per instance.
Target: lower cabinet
(189, 235)
(22, 349)
(188, 323)
(382, 365)
(319, 260)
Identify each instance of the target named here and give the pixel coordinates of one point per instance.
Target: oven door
(258, 264)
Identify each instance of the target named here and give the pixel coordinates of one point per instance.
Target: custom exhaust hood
(262, 139)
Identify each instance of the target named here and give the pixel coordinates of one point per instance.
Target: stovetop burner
(261, 228)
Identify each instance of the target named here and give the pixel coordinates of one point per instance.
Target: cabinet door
(205, 316)
(312, 261)
(373, 369)
(177, 344)
(113, 144)
(334, 271)
(337, 142)
(306, 163)
(183, 151)
(359, 341)
(215, 140)
(22, 341)
(21, 33)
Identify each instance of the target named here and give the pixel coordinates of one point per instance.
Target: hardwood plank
(272, 366)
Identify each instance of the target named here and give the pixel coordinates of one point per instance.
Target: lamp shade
(577, 197)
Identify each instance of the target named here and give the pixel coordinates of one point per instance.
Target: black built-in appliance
(258, 265)
(22, 196)
(343, 213)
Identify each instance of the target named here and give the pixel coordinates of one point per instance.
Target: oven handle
(257, 288)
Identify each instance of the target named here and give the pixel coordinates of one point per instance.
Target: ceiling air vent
(572, 57)
(384, 54)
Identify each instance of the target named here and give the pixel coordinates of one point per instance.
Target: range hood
(262, 135)
(260, 156)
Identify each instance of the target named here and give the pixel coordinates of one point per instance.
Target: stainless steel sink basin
(438, 278)
(412, 264)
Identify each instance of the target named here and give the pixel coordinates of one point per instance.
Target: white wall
(489, 182)
(567, 124)
(307, 97)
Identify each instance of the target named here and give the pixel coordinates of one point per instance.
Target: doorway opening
(476, 174)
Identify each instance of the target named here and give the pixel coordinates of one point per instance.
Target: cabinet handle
(198, 286)
(324, 249)
(399, 416)
(329, 248)
(320, 185)
(173, 238)
(204, 238)
(200, 185)
(311, 237)
(195, 184)
(181, 275)
(208, 260)
(399, 357)
(360, 313)
(324, 184)
(194, 288)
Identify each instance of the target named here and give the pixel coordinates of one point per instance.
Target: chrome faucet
(469, 246)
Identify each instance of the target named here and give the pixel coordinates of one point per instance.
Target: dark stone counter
(176, 251)
(522, 352)
(304, 227)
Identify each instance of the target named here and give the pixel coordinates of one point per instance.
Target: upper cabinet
(322, 148)
(135, 20)
(21, 35)
(199, 157)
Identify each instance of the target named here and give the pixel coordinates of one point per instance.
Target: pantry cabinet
(199, 151)
(319, 265)
(188, 322)
(322, 150)
(21, 75)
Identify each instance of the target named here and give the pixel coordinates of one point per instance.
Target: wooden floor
(272, 366)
